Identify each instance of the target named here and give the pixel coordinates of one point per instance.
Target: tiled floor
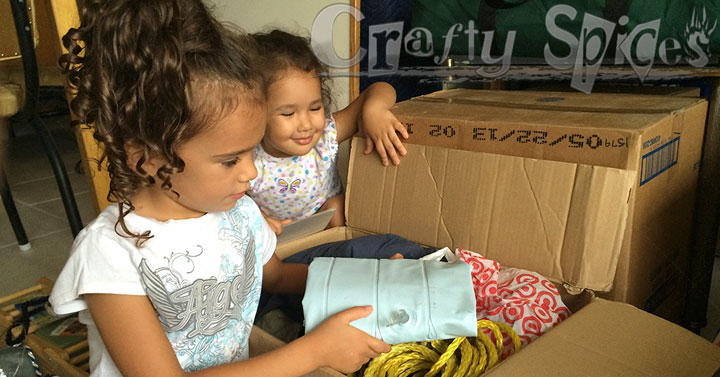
(37, 198)
(38, 201)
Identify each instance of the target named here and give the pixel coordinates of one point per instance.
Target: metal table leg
(12, 212)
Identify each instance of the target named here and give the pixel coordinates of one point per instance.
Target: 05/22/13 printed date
(521, 136)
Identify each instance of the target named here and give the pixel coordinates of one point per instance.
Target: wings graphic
(243, 284)
(160, 298)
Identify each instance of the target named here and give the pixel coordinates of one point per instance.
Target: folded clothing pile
(525, 300)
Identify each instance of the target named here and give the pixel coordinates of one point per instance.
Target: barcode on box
(659, 160)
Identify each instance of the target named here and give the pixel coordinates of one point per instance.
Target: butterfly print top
(296, 187)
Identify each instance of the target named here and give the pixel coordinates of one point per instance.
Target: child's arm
(345, 353)
(275, 224)
(279, 277)
(138, 345)
(372, 109)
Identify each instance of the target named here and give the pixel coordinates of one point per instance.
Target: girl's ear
(134, 152)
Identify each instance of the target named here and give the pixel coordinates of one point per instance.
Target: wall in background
(297, 17)
(292, 16)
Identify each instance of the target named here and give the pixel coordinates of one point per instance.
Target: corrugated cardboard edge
(287, 249)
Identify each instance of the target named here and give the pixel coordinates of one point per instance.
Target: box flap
(305, 227)
(608, 338)
(286, 249)
(563, 220)
(601, 129)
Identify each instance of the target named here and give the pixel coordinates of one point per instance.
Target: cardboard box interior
(560, 219)
(605, 338)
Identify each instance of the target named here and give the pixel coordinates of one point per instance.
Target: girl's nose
(247, 170)
(305, 123)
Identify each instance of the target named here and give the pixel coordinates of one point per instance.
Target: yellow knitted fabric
(459, 357)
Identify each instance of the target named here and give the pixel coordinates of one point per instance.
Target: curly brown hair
(153, 74)
(280, 50)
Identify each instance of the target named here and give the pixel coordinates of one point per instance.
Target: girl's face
(218, 167)
(296, 116)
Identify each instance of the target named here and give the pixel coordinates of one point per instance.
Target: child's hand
(343, 347)
(380, 126)
(276, 224)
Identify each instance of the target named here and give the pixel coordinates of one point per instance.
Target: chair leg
(61, 177)
(13, 215)
(29, 111)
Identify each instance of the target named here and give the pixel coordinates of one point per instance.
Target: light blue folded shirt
(412, 300)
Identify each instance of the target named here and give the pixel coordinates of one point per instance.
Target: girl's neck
(157, 204)
(269, 149)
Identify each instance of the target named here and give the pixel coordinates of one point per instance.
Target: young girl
(297, 157)
(168, 279)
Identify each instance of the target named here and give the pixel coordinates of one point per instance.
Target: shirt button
(398, 317)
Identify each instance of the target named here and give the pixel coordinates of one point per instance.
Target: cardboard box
(427, 200)
(657, 137)
(663, 90)
(261, 342)
(608, 338)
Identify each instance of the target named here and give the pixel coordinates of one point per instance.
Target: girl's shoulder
(328, 141)
(104, 223)
(330, 121)
(102, 231)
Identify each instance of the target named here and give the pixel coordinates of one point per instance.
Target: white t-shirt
(203, 277)
(296, 187)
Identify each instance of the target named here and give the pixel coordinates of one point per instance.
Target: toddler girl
(296, 159)
(168, 279)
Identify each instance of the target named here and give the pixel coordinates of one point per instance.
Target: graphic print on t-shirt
(285, 185)
(205, 303)
(208, 320)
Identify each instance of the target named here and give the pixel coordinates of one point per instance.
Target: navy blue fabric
(379, 246)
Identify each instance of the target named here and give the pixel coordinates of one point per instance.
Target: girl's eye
(230, 163)
(316, 108)
(287, 114)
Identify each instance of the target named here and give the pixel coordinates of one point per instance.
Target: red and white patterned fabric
(526, 301)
